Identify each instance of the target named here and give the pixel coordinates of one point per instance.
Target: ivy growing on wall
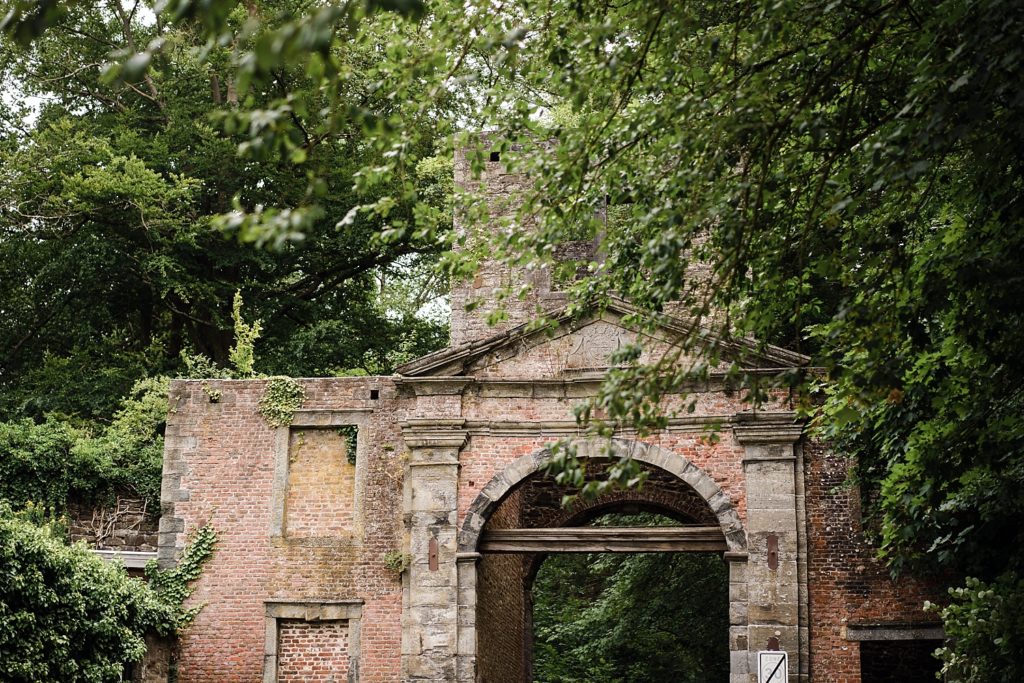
(281, 398)
(173, 586)
(351, 435)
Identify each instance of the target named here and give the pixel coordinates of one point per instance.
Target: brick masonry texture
(485, 457)
(848, 585)
(219, 468)
(312, 652)
(502, 610)
(320, 483)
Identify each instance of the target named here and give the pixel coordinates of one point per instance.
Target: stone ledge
(314, 610)
(130, 558)
(572, 428)
(886, 632)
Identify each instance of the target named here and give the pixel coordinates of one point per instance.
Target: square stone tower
(514, 294)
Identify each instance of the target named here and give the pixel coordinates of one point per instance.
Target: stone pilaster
(466, 662)
(776, 606)
(430, 633)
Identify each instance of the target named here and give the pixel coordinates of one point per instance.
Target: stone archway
(717, 507)
(501, 484)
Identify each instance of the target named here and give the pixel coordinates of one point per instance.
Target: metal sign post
(772, 666)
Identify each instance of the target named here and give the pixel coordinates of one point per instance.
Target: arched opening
(529, 542)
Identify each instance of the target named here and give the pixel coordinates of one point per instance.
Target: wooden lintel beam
(604, 540)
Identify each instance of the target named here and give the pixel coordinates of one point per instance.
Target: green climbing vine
(281, 398)
(351, 435)
(173, 586)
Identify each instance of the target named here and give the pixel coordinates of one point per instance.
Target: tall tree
(110, 262)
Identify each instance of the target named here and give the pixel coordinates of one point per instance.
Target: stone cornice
(563, 428)
(752, 429)
(434, 433)
(570, 384)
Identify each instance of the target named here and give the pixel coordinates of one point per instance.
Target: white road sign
(772, 666)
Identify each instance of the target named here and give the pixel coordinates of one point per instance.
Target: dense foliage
(65, 614)
(587, 625)
(986, 621)
(56, 460)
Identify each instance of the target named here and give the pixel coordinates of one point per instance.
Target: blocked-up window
(319, 466)
(312, 642)
(321, 482)
(312, 652)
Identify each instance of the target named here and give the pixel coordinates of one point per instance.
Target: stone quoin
(372, 558)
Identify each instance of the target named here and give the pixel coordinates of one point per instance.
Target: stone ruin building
(386, 533)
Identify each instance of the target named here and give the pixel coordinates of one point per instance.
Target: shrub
(51, 462)
(65, 615)
(985, 626)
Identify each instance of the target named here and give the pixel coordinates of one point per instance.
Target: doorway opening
(624, 617)
(629, 587)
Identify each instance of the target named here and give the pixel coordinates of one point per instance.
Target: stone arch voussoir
(505, 481)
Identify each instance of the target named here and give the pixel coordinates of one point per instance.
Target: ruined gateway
(362, 542)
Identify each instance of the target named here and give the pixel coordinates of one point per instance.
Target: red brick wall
(220, 468)
(312, 652)
(224, 454)
(486, 456)
(501, 608)
(662, 492)
(847, 583)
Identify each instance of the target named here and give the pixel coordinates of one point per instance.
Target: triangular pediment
(572, 347)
